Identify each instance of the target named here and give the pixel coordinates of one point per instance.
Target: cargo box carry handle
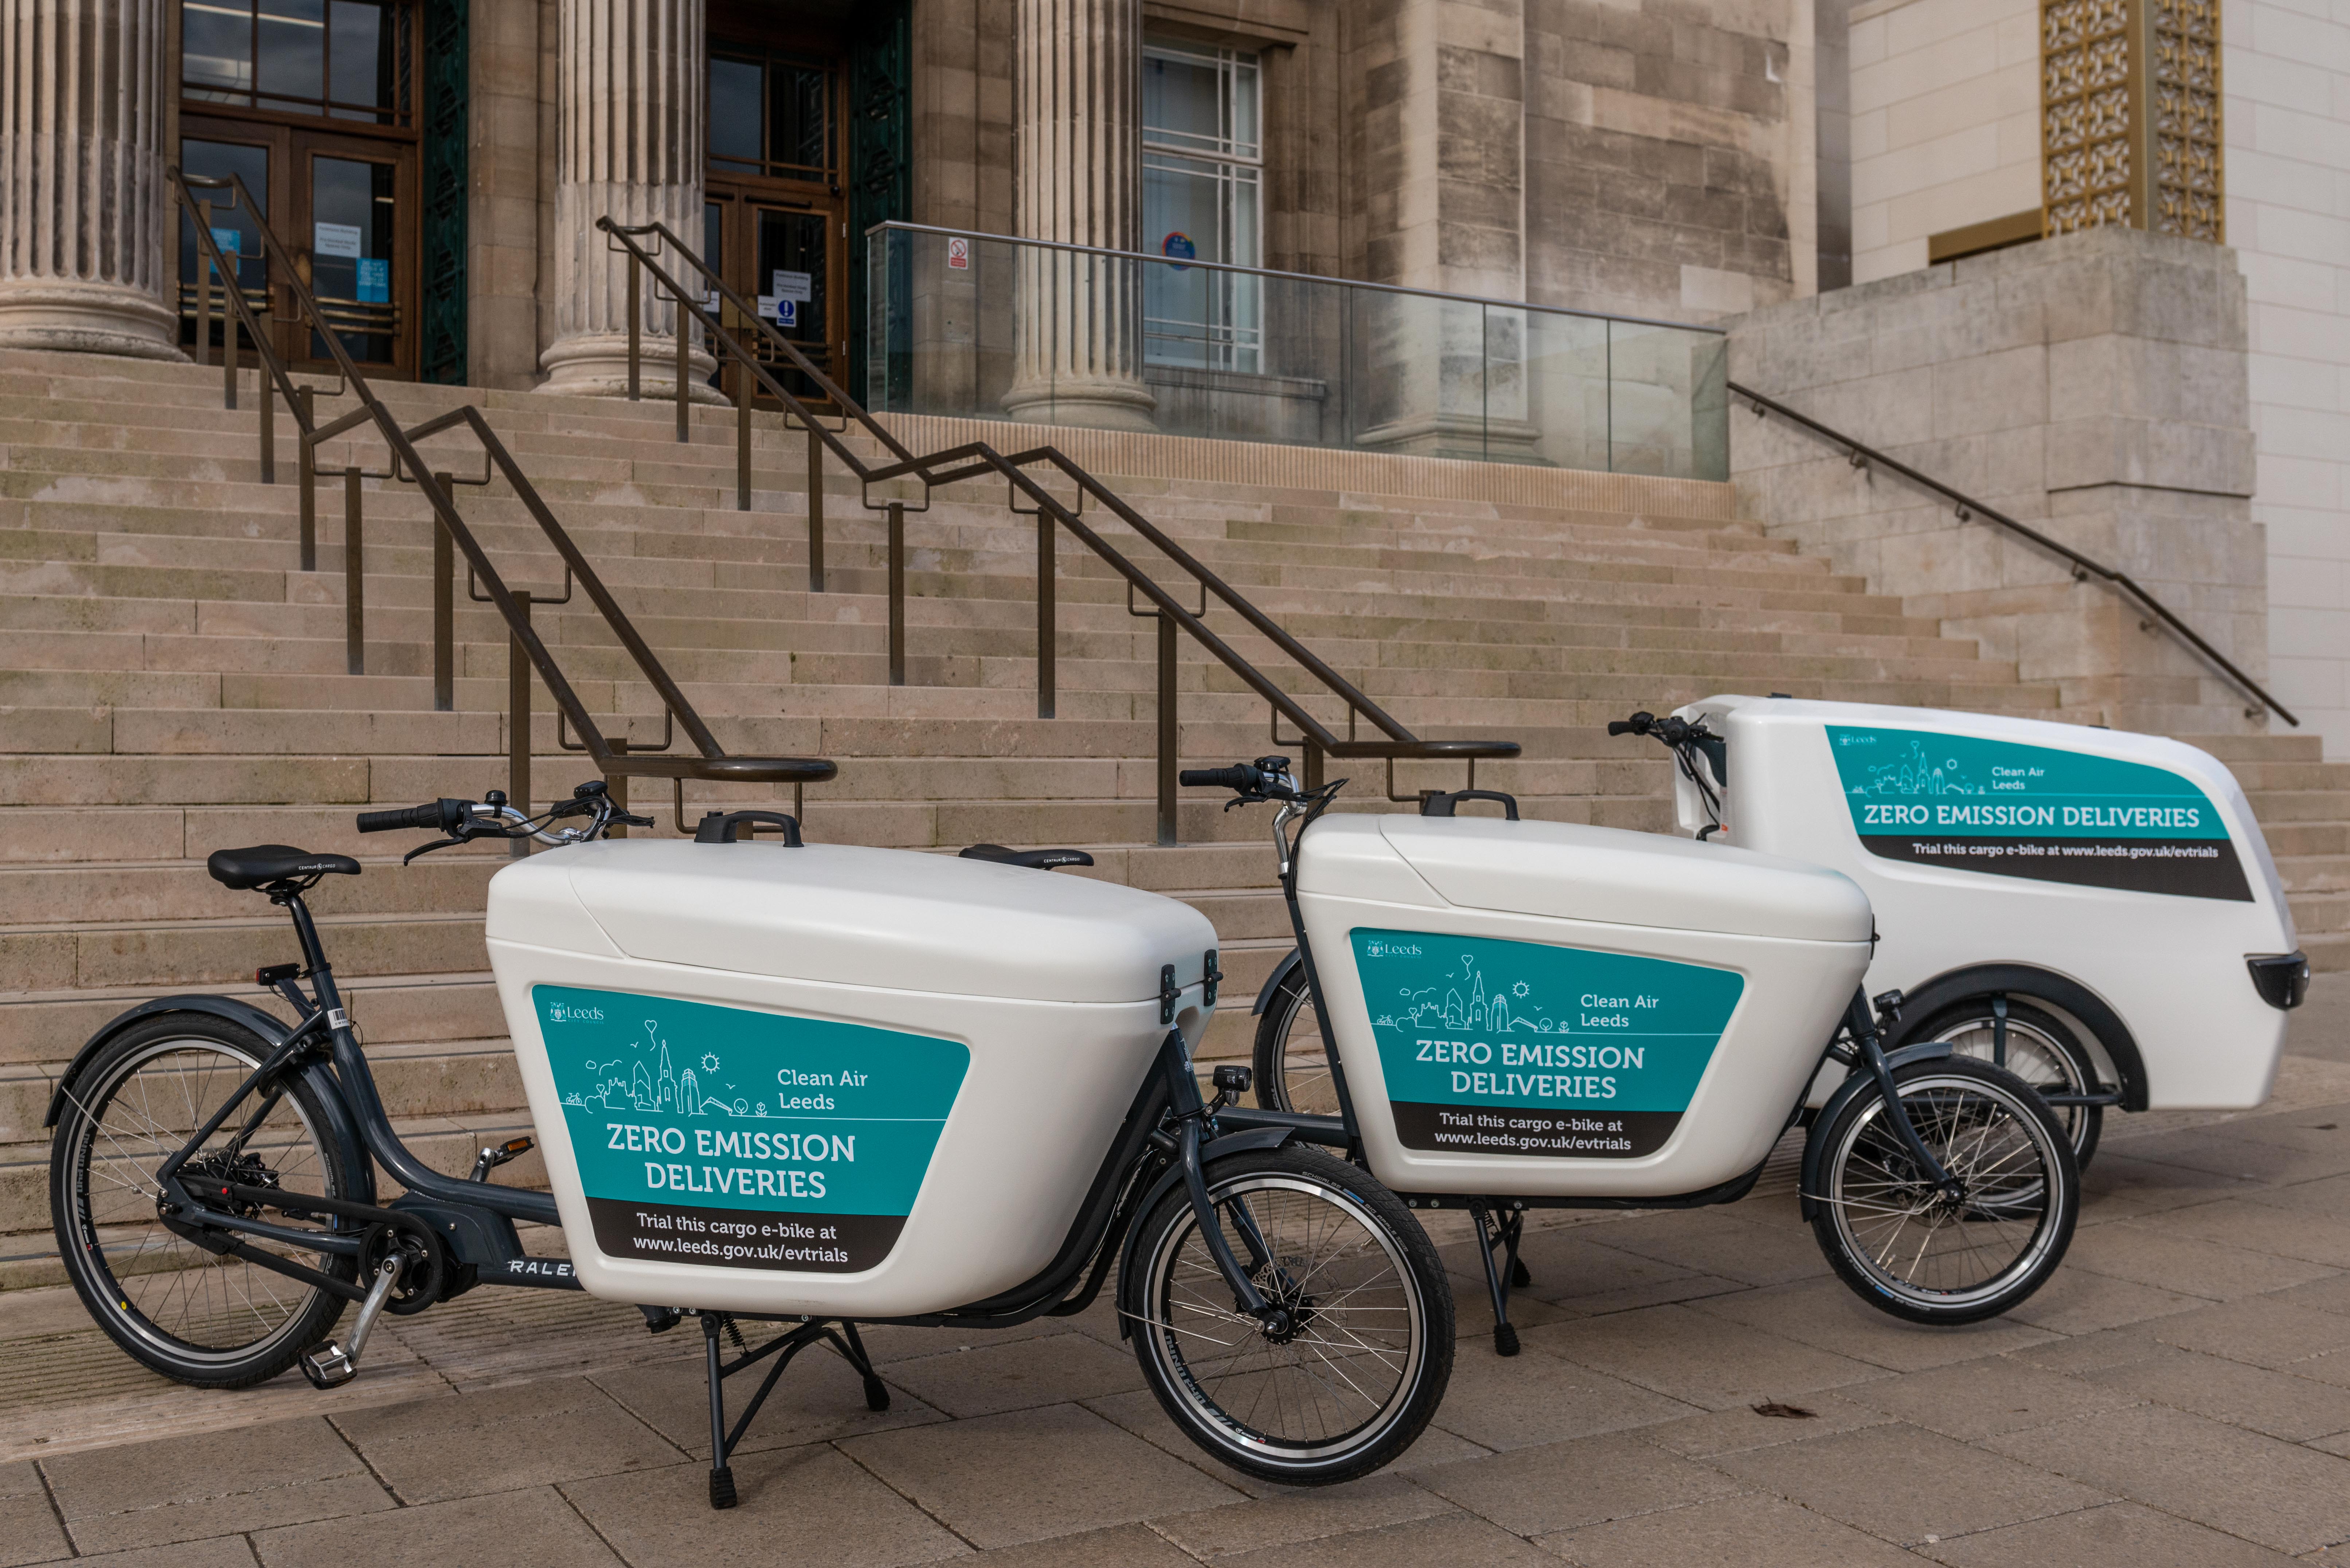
(730, 827)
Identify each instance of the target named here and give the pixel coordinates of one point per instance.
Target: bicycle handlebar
(1240, 776)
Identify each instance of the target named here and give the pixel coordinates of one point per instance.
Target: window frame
(1238, 167)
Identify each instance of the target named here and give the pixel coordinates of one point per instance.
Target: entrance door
(775, 224)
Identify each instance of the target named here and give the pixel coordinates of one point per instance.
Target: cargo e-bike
(215, 1194)
(1525, 1016)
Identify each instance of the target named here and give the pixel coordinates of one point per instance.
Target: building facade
(439, 167)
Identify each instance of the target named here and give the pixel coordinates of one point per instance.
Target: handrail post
(445, 606)
(519, 720)
(1167, 729)
(816, 511)
(741, 442)
(354, 582)
(896, 593)
(204, 270)
(228, 344)
(268, 425)
(1047, 634)
(308, 479)
(615, 787)
(636, 324)
(684, 370)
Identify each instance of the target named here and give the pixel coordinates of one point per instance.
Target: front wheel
(1292, 1068)
(1910, 1247)
(1348, 1382)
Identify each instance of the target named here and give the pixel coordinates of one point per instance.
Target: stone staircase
(171, 683)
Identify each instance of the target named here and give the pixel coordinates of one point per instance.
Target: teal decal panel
(1497, 1048)
(732, 1139)
(1969, 803)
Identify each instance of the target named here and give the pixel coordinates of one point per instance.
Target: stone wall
(2093, 386)
(1670, 159)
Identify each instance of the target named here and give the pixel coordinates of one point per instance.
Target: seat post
(314, 956)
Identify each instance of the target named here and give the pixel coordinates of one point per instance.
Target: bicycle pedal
(327, 1366)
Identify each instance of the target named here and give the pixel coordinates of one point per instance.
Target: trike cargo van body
(1547, 1009)
(2128, 864)
(831, 1080)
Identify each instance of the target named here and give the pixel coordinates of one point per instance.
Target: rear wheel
(1349, 1380)
(1919, 1252)
(1293, 1067)
(193, 1315)
(2036, 1046)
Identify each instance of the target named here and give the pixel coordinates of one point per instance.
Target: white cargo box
(847, 1082)
(2130, 864)
(1547, 1009)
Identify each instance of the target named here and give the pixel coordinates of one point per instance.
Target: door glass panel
(347, 59)
(362, 50)
(292, 39)
(790, 277)
(734, 114)
(799, 124)
(234, 228)
(352, 214)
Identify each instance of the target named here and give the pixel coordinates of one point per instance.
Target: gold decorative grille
(2130, 116)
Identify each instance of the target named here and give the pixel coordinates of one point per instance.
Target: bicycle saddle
(1035, 859)
(266, 863)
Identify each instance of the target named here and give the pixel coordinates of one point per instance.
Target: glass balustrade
(980, 327)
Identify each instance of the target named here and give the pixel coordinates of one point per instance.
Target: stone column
(82, 214)
(1079, 155)
(630, 148)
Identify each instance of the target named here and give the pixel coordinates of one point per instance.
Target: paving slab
(2277, 1403)
(1125, 1545)
(1449, 1540)
(1698, 1358)
(1748, 1532)
(29, 1531)
(1498, 1402)
(801, 1508)
(997, 1481)
(1826, 1314)
(2078, 1300)
(500, 1439)
(1018, 1375)
(152, 1494)
(1307, 1514)
(1753, 1252)
(819, 1398)
(1763, 1423)
(1952, 1488)
(2281, 1495)
(2118, 1533)
(217, 1551)
(1560, 1486)
(530, 1528)
(1972, 1400)
(2262, 1227)
(2153, 1252)
(2261, 1330)
(1138, 1414)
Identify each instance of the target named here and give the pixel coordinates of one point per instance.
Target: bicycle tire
(172, 1306)
(1261, 1403)
(2043, 1050)
(1989, 1128)
(1291, 1070)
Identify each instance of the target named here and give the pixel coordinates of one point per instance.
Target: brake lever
(428, 848)
(623, 819)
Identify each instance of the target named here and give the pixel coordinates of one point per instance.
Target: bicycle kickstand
(1502, 1274)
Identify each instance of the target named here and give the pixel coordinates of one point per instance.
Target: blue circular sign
(1179, 245)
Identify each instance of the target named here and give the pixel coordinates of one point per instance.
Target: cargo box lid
(1604, 874)
(886, 917)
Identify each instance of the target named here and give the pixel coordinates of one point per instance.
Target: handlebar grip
(434, 816)
(1618, 727)
(1241, 778)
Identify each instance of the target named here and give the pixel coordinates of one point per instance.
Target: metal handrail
(975, 459)
(2083, 566)
(1187, 265)
(613, 757)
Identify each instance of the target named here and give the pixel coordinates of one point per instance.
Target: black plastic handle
(440, 816)
(1438, 802)
(718, 827)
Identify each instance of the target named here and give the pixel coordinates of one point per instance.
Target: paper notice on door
(337, 240)
(796, 286)
(375, 281)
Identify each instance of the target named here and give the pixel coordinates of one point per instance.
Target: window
(1202, 198)
(339, 59)
(772, 115)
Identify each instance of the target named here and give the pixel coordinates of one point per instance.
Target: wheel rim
(1347, 1372)
(2032, 1055)
(170, 1292)
(1306, 1087)
(1921, 1246)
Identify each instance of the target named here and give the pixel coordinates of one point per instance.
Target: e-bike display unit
(2093, 909)
(801, 1085)
(1507, 1015)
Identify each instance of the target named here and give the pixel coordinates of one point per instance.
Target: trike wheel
(1292, 1068)
(1918, 1252)
(2039, 1048)
(194, 1316)
(1353, 1378)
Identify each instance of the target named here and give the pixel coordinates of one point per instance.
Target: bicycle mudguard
(1860, 1081)
(2042, 985)
(1128, 1282)
(273, 1029)
(1281, 972)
